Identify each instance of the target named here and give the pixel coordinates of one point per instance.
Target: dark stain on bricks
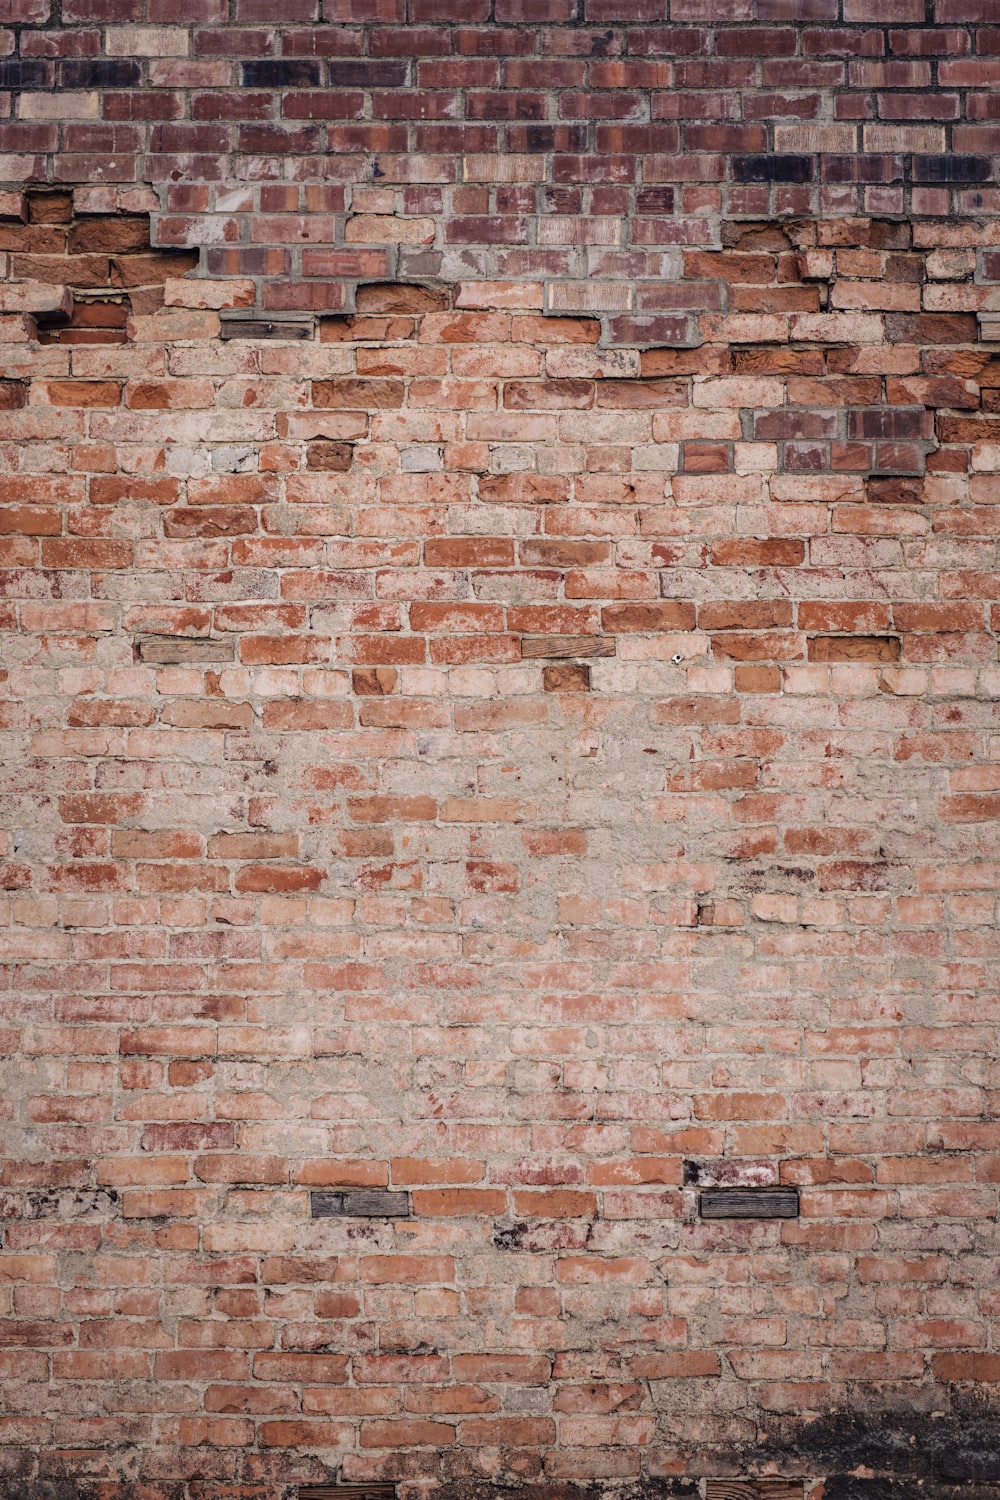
(944, 1446)
(37, 1489)
(509, 1236)
(299, 73)
(71, 1203)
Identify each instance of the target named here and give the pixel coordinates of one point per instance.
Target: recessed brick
(331, 457)
(567, 677)
(872, 648)
(892, 422)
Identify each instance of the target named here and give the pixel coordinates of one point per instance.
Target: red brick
(458, 1202)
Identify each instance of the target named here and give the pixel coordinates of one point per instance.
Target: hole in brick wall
(13, 394)
(374, 682)
(106, 260)
(97, 322)
(870, 648)
(731, 1172)
(50, 208)
(372, 329)
(895, 491)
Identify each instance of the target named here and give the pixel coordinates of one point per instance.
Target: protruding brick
(35, 297)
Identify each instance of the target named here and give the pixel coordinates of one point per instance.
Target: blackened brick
(25, 73)
(362, 74)
(772, 168)
(302, 73)
(100, 73)
(952, 169)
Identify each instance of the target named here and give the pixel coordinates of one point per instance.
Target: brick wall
(498, 750)
(581, 143)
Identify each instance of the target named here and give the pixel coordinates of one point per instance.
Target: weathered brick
(300, 615)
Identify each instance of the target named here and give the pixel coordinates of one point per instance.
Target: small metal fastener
(677, 658)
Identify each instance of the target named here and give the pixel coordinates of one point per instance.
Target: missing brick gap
(49, 207)
(97, 317)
